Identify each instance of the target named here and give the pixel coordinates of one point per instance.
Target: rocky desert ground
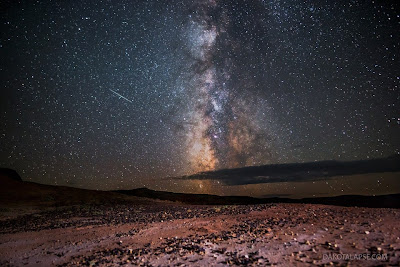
(42, 225)
(168, 234)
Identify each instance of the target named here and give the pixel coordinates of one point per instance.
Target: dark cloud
(298, 172)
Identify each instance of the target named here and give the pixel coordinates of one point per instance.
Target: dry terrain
(43, 225)
(165, 234)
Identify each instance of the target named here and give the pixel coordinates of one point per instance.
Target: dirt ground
(185, 235)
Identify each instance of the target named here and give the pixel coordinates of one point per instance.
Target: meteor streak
(121, 96)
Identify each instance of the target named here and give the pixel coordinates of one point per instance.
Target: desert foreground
(168, 234)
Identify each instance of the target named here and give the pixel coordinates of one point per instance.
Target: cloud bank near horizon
(298, 172)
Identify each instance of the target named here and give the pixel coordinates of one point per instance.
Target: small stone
(367, 232)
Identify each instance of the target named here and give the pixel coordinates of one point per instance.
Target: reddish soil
(165, 234)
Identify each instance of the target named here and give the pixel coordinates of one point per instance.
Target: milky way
(223, 130)
(116, 94)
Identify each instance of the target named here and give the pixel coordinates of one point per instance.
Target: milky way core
(222, 130)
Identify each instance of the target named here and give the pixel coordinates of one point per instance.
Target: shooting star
(121, 96)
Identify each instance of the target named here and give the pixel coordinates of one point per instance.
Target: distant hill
(195, 199)
(14, 191)
(384, 201)
(10, 173)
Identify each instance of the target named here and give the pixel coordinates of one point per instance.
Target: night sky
(124, 94)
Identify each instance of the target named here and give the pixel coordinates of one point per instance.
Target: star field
(116, 94)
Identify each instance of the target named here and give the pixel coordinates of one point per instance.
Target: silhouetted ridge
(10, 173)
(383, 201)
